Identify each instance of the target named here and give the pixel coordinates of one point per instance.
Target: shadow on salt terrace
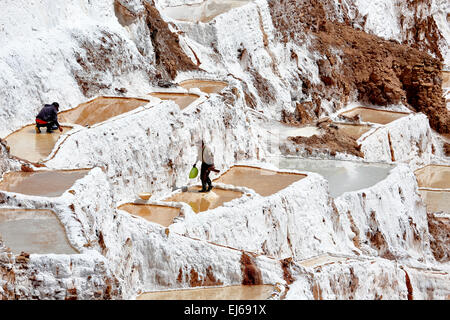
(434, 187)
(342, 175)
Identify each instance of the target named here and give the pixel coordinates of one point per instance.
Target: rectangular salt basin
(354, 131)
(100, 109)
(200, 201)
(374, 115)
(33, 231)
(243, 292)
(26, 144)
(162, 215)
(433, 176)
(202, 12)
(205, 86)
(262, 181)
(436, 201)
(342, 176)
(182, 99)
(41, 183)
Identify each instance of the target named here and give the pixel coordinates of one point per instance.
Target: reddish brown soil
(380, 72)
(440, 237)
(333, 140)
(251, 275)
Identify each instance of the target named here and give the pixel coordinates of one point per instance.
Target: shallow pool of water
(374, 115)
(343, 176)
(206, 86)
(33, 231)
(26, 144)
(434, 176)
(255, 292)
(264, 182)
(162, 215)
(436, 201)
(182, 99)
(354, 131)
(41, 183)
(99, 110)
(202, 12)
(200, 202)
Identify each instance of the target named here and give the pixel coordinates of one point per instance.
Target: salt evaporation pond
(41, 183)
(206, 86)
(343, 176)
(26, 144)
(374, 115)
(354, 131)
(33, 231)
(162, 215)
(262, 181)
(202, 12)
(203, 201)
(100, 109)
(243, 292)
(434, 187)
(182, 99)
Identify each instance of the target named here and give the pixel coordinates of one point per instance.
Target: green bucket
(193, 174)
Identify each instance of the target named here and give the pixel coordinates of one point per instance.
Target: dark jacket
(49, 114)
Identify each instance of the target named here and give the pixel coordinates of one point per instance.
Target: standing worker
(207, 158)
(48, 117)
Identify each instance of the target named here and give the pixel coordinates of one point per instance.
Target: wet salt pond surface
(100, 109)
(436, 201)
(205, 86)
(342, 176)
(203, 12)
(162, 215)
(33, 231)
(27, 145)
(200, 202)
(41, 183)
(374, 115)
(354, 131)
(262, 181)
(434, 187)
(256, 292)
(434, 176)
(182, 99)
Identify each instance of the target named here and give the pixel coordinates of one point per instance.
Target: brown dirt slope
(380, 72)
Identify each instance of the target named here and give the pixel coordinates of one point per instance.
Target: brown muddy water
(33, 231)
(162, 215)
(251, 292)
(262, 181)
(26, 144)
(100, 109)
(41, 183)
(206, 86)
(200, 202)
(181, 99)
(374, 115)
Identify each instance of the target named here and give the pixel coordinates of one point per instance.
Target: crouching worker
(207, 158)
(48, 117)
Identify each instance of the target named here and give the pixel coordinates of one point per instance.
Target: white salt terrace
(342, 176)
(33, 231)
(202, 12)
